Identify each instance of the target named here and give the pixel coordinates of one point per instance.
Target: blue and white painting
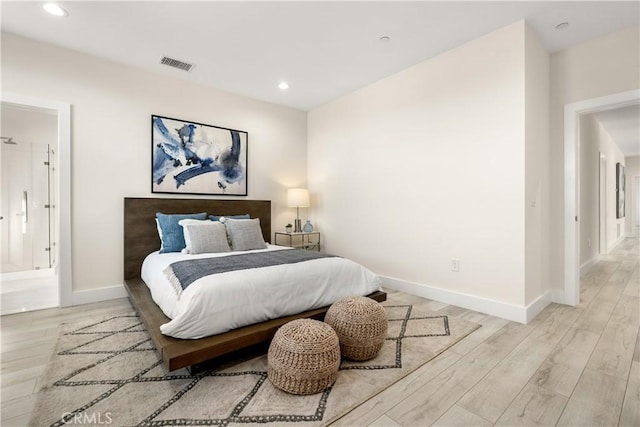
(193, 158)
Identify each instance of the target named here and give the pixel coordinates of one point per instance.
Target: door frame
(63, 211)
(572, 113)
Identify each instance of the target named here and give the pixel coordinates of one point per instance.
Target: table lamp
(298, 197)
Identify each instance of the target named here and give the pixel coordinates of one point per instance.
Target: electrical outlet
(455, 265)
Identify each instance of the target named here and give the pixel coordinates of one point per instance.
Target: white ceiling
(623, 125)
(322, 49)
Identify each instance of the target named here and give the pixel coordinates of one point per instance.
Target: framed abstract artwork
(619, 190)
(194, 158)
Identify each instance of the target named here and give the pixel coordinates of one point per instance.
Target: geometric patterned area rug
(106, 372)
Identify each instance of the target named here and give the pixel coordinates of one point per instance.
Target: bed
(141, 239)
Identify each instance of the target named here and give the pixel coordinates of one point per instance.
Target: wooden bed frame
(141, 238)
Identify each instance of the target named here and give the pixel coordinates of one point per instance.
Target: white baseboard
(558, 296)
(539, 304)
(516, 313)
(584, 268)
(613, 245)
(100, 294)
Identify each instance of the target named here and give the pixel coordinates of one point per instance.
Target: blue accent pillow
(217, 217)
(172, 234)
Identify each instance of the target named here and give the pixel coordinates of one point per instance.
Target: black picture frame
(194, 158)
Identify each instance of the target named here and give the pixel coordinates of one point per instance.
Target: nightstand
(309, 241)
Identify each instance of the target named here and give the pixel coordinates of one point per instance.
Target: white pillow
(245, 234)
(159, 233)
(204, 237)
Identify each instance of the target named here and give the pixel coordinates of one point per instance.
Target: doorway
(35, 208)
(27, 174)
(572, 113)
(27, 153)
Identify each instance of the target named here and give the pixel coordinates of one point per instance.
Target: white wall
(428, 165)
(589, 188)
(111, 109)
(536, 167)
(632, 170)
(598, 67)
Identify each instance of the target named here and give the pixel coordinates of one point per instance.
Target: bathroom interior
(28, 272)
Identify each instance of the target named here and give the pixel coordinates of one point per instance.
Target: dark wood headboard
(141, 235)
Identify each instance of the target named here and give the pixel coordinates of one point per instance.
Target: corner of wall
(513, 312)
(536, 161)
(99, 294)
(457, 116)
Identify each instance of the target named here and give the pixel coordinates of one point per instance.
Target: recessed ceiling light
(385, 39)
(54, 9)
(562, 26)
(283, 85)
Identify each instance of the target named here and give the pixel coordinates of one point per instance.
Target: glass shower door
(25, 207)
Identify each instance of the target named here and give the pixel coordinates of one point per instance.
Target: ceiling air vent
(175, 63)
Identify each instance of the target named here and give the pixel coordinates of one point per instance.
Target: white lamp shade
(297, 197)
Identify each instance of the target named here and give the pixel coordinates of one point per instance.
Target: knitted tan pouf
(304, 357)
(361, 325)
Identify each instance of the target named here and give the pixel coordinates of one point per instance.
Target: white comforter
(221, 302)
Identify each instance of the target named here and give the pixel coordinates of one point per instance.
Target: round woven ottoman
(361, 325)
(304, 357)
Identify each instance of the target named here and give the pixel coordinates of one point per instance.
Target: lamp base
(297, 224)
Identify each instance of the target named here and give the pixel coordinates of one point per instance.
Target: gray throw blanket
(181, 274)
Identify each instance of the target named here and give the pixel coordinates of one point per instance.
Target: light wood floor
(571, 366)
